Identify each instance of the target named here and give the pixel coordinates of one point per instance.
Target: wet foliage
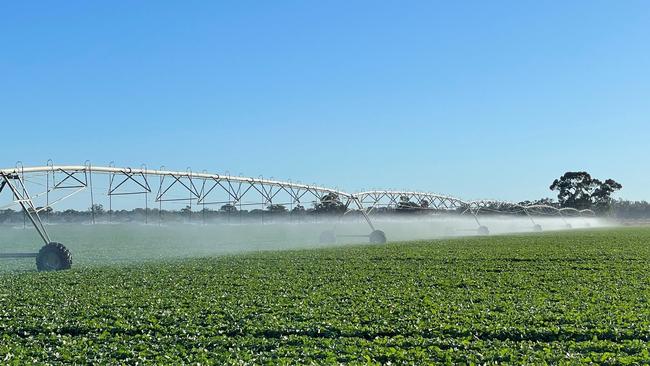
(576, 297)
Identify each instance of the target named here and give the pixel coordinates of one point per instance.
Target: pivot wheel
(327, 237)
(53, 257)
(483, 230)
(377, 237)
(537, 227)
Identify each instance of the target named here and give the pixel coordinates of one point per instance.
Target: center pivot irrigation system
(58, 183)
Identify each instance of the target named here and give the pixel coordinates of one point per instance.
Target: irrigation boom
(204, 188)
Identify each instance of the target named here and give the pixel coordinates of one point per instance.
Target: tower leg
(17, 187)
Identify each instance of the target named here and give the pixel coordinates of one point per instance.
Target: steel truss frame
(372, 200)
(200, 189)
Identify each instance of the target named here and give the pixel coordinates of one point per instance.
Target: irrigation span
(42, 188)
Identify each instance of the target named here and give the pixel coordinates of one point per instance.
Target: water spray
(205, 189)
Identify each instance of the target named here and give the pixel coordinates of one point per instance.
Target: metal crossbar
(204, 189)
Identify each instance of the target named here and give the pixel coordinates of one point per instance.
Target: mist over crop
(105, 243)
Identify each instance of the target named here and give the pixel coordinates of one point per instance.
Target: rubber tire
(483, 230)
(569, 226)
(53, 257)
(378, 237)
(327, 237)
(537, 228)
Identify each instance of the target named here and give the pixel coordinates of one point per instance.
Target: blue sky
(471, 98)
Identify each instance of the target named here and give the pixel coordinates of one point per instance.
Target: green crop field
(558, 297)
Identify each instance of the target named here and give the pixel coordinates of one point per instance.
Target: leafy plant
(572, 297)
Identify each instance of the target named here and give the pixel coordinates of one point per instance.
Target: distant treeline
(620, 209)
(329, 206)
(575, 190)
(630, 209)
(226, 213)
